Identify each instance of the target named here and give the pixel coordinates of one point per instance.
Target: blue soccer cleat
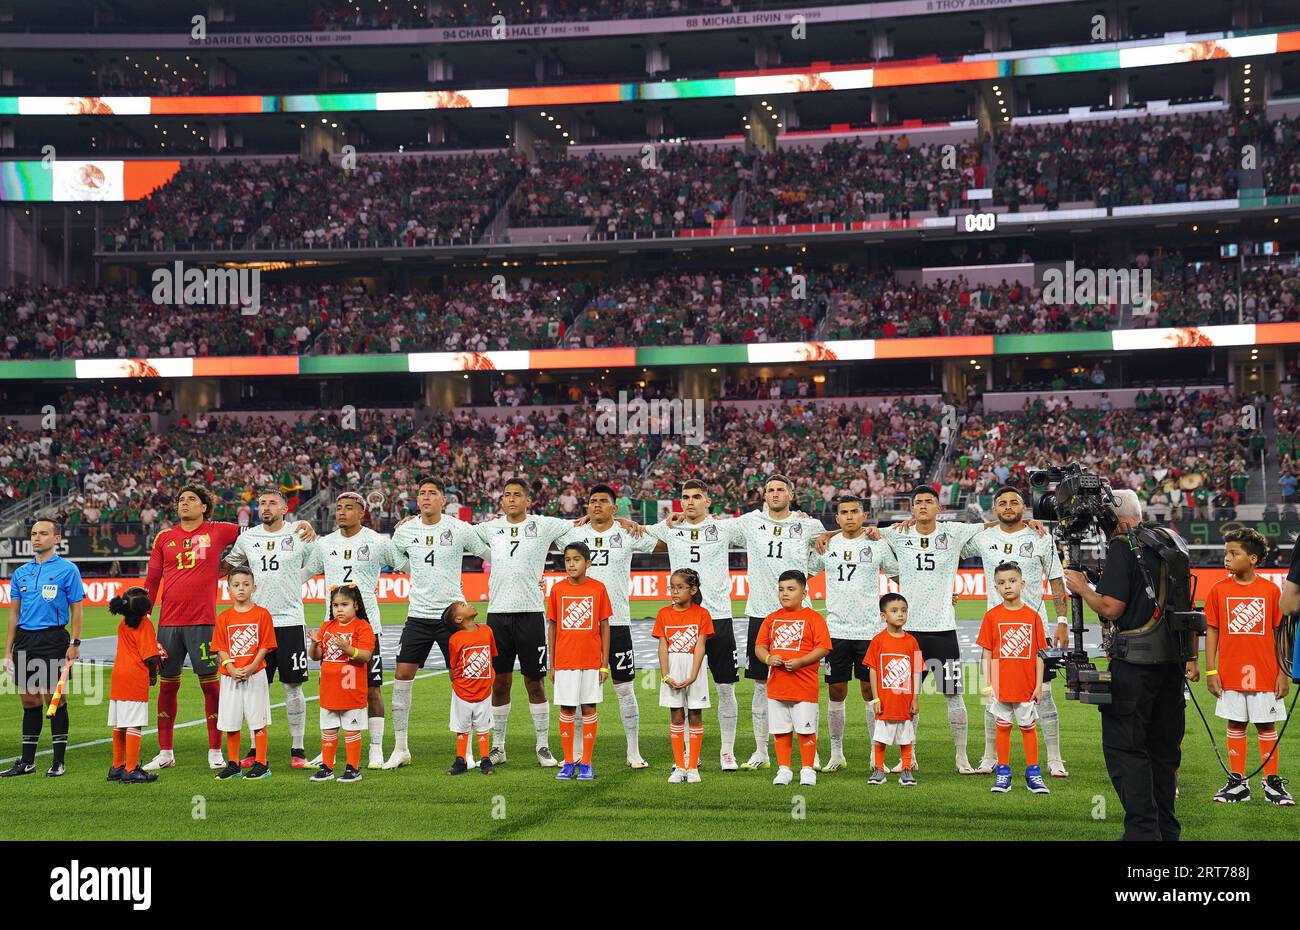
(1002, 779)
(1034, 780)
(566, 771)
(586, 772)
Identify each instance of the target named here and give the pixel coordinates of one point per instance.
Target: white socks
(728, 714)
(376, 734)
(295, 708)
(631, 712)
(1050, 720)
(957, 723)
(835, 715)
(401, 713)
(871, 721)
(758, 708)
(990, 735)
(541, 724)
(500, 715)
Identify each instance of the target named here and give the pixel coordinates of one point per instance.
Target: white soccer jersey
(1036, 555)
(853, 568)
(772, 547)
(927, 572)
(357, 559)
(276, 561)
(611, 563)
(434, 552)
(518, 559)
(703, 547)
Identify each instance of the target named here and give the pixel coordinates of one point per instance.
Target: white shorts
(693, 697)
(122, 714)
(574, 686)
(1024, 713)
(352, 719)
(244, 702)
(1250, 706)
(895, 732)
(787, 716)
(466, 716)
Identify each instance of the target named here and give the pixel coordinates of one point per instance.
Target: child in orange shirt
(896, 664)
(577, 638)
(683, 629)
(343, 645)
(471, 649)
(792, 641)
(1011, 636)
(1242, 614)
(135, 670)
(244, 633)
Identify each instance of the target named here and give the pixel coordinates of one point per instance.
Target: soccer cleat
(1034, 780)
(115, 772)
(376, 758)
(837, 762)
(963, 765)
(758, 760)
(693, 776)
(877, 777)
(986, 766)
(586, 772)
(567, 771)
(1275, 791)
(783, 776)
(459, 767)
(399, 758)
(907, 779)
(817, 759)
(230, 770)
(1235, 791)
(497, 755)
(19, 768)
(324, 773)
(248, 760)
(164, 760)
(55, 770)
(486, 767)
(319, 760)
(728, 763)
(677, 777)
(138, 777)
(1056, 768)
(216, 760)
(807, 775)
(1002, 780)
(350, 775)
(898, 766)
(298, 759)
(545, 759)
(258, 770)
(637, 763)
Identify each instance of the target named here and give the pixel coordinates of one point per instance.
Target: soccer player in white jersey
(928, 555)
(433, 545)
(701, 544)
(612, 547)
(356, 554)
(1014, 540)
(519, 542)
(276, 557)
(853, 562)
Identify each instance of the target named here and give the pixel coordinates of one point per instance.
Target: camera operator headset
(1142, 727)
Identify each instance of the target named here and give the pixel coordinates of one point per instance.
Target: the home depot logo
(475, 662)
(1246, 615)
(786, 634)
(576, 613)
(243, 639)
(1015, 640)
(898, 672)
(332, 652)
(682, 638)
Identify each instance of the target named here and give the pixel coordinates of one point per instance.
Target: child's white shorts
(352, 719)
(694, 696)
(122, 714)
(1024, 713)
(1250, 706)
(791, 716)
(574, 686)
(244, 702)
(466, 716)
(895, 732)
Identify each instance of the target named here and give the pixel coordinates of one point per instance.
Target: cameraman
(1142, 729)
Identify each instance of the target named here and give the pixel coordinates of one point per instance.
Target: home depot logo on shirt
(1015, 640)
(242, 639)
(682, 638)
(332, 652)
(897, 672)
(476, 661)
(1246, 615)
(787, 634)
(576, 613)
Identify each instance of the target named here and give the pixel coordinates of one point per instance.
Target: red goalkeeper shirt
(183, 568)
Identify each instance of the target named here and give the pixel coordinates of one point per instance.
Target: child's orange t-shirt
(130, 674)
(789, 634)
(239, 634)
(682, 629)
(897, 661)
(577, 611)
(1246, 616)
(1014, 638)
(471, 663)
(343, 682)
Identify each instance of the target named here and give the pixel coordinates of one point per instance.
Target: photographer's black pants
(1141, 733)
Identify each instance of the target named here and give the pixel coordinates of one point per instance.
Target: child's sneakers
(351, 774)
(693, 776)
(486, 767)
(677, 777)
(231, 770)
(115, 772)
(324, 773)
(459, 767)
(585, 771)
(807, 775)
(783, 776)
(1001, 779)
(1034, 780)
(1275, 791)
(1234, 792)
(138, 777)
(907, 779)
(877, 777)
(567, 771)
(258, 770)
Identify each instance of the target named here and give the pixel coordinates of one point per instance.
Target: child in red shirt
(683, 629)
(343, 645)
(471, 650)
(241, 638)
(135, 670)
(894, 658)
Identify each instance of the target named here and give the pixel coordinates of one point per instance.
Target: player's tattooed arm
(1061, 638)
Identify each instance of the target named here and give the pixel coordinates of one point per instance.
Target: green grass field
(524, 801)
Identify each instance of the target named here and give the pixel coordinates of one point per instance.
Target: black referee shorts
(39, 657)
